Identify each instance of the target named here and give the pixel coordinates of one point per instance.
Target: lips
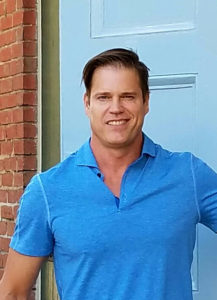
(117, 122)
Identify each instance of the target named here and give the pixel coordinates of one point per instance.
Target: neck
(114, 159)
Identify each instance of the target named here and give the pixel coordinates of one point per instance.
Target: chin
(117, 143)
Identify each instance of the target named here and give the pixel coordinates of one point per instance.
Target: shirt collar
(149, 146)
(85, 156)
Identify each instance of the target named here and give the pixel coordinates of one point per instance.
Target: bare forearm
(20, 274)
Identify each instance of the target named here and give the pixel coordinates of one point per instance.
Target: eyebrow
(108, 93)
(101, 93)
(129, 93)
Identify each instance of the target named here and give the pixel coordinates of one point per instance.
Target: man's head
(117, 57)
(116, 99)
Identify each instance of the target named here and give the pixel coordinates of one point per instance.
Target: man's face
(115, 106)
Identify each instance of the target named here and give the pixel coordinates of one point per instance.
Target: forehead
(115, 77)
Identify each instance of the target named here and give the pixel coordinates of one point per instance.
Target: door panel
(177, 41)
(109, 18)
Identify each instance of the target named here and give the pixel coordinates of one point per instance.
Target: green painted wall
(50, 84)
(50, 113)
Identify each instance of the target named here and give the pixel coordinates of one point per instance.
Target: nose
(116, 106)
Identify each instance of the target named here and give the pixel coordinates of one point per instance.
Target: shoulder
(173, 157)
(63, 167)
(65, 170)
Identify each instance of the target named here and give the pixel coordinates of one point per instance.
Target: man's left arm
(205, 181)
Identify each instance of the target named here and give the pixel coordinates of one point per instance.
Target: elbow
(8, 295)
(7, 292)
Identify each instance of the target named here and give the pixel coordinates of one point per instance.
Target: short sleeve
(205, 181)
(32, 235)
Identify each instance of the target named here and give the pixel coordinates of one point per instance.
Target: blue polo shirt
(137, 247)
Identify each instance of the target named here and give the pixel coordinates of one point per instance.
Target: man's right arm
(20, 274)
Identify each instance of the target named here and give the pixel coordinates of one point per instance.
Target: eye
(128, 97)
(103, 97)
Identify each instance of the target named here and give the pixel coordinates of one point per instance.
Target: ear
(86, 100)
(146, 104)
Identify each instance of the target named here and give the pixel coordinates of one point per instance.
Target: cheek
(98, 112)
(94, 115)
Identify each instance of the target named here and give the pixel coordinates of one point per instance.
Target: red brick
(6, 148)
(15, 99)
(20, 163)
(29, 3)
(30, 146)
(2, 133)
(30, 82)
(27, 175)
(8, 37)
(26, 3)
(30, 130)
(14, 195)
(29, 17)
(6, 117)
(11, 131)
(29, 49)
(25, 130)
(19, 147)
(5, 70)
(18, 115)
(18, 179)
(6, 164)
(27, 163)
(16, 67)
(29, 98)
(18, 18)
(3, 196)
(19, 4)
(7, 212)
(18, 131)
(17, 82)
(29, 114)
(17, 50)
(10, 6)
(5, 85)
(30, 65)
(1, 164)
(2, 8)
(7, 179)
(5, 54)
(29, 32)
(3, 259)
(19, 34)
(10, 164)
(6, 22)
(10, 228)
(4, 244)
(3, 102)
(3, 229)
(15, 209)
(11, 100)
(25, 147)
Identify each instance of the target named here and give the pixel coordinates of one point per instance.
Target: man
(120, 214)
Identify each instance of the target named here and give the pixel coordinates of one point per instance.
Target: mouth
(116, 122)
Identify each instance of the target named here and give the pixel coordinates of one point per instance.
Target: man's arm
(20, 274)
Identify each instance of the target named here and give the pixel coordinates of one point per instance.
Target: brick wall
(18, 113)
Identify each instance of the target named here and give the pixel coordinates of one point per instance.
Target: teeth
(117, 122)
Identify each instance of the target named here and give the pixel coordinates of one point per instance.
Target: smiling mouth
(117, 122)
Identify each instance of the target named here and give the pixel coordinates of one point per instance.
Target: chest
(88, 222)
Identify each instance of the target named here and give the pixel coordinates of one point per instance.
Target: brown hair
(116, 57)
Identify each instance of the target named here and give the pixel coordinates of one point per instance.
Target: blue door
(178, 42)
